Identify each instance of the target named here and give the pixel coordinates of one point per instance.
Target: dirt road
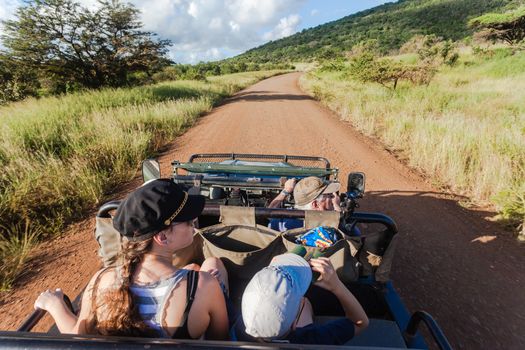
(475, 290)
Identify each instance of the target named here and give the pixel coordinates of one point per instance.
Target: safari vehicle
(238, 188)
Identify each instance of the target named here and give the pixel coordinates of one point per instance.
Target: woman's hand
(215, 273)
(328, 278)
(50, 300)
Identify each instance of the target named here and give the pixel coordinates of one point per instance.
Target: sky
(210, 30)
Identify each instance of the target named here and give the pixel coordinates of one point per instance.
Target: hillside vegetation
(465, 127)
(60, 156)
(391, 24)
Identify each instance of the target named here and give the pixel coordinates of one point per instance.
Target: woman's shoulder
(206, 279)
(103, 278)
(208, 287)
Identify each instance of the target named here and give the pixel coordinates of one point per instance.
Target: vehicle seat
(379, 333)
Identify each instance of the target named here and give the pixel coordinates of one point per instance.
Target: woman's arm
(67, 321)
(278, 200)
(53, 302)
(218, 326)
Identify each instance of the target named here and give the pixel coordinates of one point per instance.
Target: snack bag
(321, 237)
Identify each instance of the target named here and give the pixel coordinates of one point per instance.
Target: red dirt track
(474, 290)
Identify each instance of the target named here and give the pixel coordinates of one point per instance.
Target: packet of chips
(321, 237)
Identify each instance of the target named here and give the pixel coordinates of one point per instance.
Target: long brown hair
(121, 315)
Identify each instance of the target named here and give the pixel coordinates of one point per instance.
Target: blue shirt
(336, 332)
(282, 225)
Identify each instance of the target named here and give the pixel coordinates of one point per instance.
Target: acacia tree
(368, 68)
(73, 45)
(508, 27)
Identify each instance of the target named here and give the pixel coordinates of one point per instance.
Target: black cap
(153, 207)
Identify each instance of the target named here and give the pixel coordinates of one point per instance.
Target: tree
(508, 27)
(63, 40)
(367, 68)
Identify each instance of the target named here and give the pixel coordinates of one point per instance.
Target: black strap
(191, 290)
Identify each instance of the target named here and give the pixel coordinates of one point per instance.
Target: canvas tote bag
(377, 253)
(243, 246)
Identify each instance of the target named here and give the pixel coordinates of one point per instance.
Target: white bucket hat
(271, 300)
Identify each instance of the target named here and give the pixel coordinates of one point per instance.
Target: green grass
(466, 129)
(61, 156)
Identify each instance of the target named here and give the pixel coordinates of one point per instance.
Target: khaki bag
(377, 253)
(109, 240)
(243, 246)
(342, 254)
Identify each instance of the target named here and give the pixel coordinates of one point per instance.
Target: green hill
(391, 24)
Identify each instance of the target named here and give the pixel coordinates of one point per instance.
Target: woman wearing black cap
(146, 295)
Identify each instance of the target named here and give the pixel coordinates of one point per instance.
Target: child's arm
(331, 282)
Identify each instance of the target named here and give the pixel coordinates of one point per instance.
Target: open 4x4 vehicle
(233, 227)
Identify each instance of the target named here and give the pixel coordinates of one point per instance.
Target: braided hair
(121, 316)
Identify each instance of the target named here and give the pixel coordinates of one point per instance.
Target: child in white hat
(274, 306)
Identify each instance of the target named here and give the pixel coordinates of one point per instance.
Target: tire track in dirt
(474, 290)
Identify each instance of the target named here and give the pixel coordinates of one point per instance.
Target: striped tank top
(150, 299)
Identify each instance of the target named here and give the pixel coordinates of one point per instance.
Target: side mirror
(356, 184)
(150, 170)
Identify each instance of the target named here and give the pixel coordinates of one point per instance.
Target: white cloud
(192, 10)
(7, 9)
(314, 12)
(208, 29)
(215, 29)
(287, 26)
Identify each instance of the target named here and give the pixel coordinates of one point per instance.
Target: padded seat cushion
(379, 333)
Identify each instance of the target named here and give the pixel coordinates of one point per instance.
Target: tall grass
(61, 156)
(466, 129)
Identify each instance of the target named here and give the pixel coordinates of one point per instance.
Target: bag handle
(315, 218)
(232, 215)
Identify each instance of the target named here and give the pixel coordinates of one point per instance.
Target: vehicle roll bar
(103, 211)
(278, 157)
(371, 218)
(278, 213)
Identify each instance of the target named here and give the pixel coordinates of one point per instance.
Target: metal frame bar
(401, 315)
(23, 340)
(214, 210)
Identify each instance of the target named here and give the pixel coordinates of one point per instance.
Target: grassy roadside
(61, 156)
(466, 129)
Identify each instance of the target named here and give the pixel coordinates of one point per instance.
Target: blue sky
(208, 30)
(316, 12)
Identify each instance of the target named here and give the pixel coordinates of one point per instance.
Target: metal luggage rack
(301, 161)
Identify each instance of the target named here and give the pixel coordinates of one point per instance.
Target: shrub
(168, 73)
